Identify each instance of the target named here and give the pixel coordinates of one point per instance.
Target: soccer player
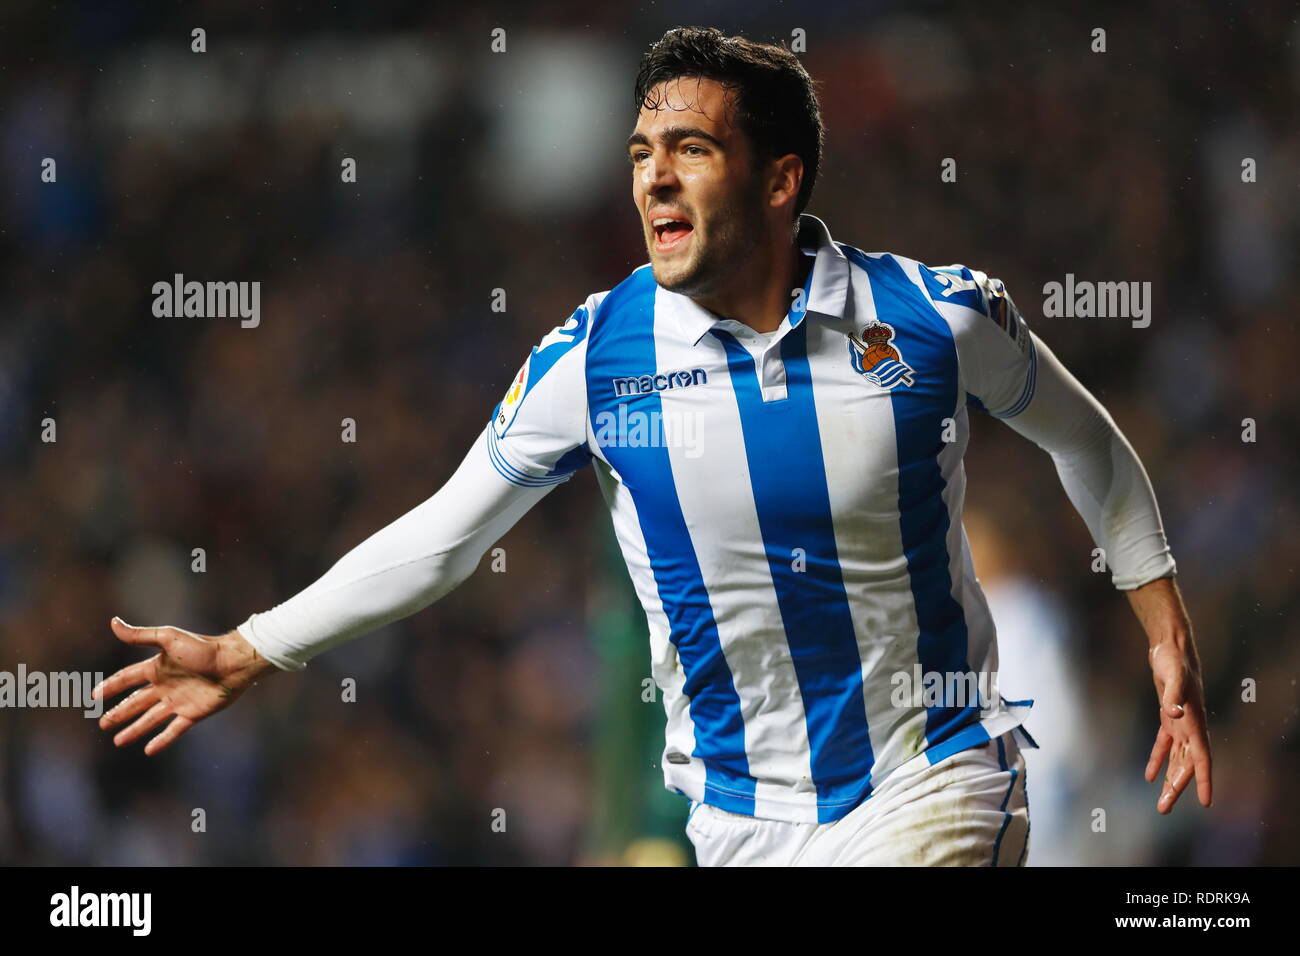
(777, 422)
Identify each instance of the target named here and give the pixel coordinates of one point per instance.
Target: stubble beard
(734, 238)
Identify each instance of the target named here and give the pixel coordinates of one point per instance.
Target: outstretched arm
(1109, 488)
(400, 569)
(397, 571)
(537, 438)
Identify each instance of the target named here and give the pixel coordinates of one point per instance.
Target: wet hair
(774, 100)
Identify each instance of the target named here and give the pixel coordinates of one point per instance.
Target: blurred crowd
(480, 171)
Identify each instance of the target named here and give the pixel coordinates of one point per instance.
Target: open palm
(190, 678)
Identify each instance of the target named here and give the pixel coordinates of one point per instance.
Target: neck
(760, 295)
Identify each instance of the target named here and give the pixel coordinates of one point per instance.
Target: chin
(675, 280)
(677, 277)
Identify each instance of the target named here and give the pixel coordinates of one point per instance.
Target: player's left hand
(1182, 737)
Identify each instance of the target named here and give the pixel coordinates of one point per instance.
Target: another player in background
(777, 422)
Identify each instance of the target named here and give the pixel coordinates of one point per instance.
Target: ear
(785, 178)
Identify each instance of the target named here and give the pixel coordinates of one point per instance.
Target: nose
(658, 173)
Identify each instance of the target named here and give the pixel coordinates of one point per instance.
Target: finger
(128, 634)
(1180, 774)
(1204, 788)
(1201, 765)
(152, 718)
(137, 703)
(128, 676)
(168, 736)
(1158, 753)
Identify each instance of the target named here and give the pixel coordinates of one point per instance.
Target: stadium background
(480, 171)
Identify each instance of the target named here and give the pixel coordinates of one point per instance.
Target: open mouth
(670, 233)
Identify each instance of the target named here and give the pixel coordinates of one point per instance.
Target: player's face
(695, 186)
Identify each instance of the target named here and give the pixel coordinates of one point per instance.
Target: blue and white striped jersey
(790, 512)
(789, 506)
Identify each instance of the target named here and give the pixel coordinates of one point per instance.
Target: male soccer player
(777, 422)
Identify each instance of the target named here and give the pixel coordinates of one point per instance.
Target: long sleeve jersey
(789, 508)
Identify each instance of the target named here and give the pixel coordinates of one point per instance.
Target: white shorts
(969, 809)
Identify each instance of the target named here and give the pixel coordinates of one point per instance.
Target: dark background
(480, 171)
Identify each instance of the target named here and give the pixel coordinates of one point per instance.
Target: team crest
(874, 354)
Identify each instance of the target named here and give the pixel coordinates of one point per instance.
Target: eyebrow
(674, 133)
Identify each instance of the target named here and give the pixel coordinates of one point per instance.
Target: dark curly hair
(773, 97)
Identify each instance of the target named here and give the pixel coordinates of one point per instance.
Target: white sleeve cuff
(281, 661)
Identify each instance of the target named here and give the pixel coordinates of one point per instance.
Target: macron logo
(644, 384)
(102, 909)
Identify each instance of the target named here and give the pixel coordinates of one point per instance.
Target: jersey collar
(827, 296)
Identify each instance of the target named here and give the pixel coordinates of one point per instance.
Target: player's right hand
(190, 678)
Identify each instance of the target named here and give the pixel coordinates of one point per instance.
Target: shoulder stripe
(512, 474)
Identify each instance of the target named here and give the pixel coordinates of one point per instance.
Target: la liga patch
(514, 398)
